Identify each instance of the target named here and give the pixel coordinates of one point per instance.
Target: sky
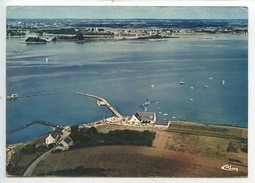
(105, 12)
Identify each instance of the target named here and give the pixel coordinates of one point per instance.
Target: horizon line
(132, 18)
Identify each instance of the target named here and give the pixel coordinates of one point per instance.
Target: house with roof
(65, 143)
(142, 118)
(54, 136)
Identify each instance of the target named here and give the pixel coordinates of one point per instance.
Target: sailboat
(46, 60)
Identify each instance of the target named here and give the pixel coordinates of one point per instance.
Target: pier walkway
(111, 108)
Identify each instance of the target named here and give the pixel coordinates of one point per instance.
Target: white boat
(160, 112)
(206, 86)
(157, 102)
(152, 86)
(173, 117)
(210, 78)
(191, 99)
(191, 87)
(165, 114)
(158, 108)
(182, 82)
(223, 82)
(12, 96)
(46, 60)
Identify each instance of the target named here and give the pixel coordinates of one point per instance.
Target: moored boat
(182, 82)
(12, 96)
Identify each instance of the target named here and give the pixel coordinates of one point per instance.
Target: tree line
(91, 137)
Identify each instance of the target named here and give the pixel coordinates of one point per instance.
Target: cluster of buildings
(60, 137)
(147, 118)
(125, 29)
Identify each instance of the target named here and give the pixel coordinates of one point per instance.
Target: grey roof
(56, 132)
(145, 116)
(68, 140)
(161, 122)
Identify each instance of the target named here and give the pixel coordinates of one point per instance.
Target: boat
(206, 86)
(173, 117)
(223, 82)
(12, 96)
(160, 112)
(46, 60)
(182, 82)
(165, 114)
(191, 99)
(191, 87)
(152, 86)
(210, 78)
(157, 102)
(158, 108)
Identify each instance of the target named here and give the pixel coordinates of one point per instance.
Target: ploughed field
(133, 161)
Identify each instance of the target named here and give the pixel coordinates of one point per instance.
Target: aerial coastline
(127, 97)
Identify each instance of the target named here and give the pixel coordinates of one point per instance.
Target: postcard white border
(251, 70)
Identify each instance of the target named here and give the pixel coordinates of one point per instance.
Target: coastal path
(31, 168)
(111, 108)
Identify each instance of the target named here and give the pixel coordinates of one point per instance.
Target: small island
(35, 40)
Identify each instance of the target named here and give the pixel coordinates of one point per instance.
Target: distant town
(80, 30)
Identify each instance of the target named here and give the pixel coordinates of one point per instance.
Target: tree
(92, 130)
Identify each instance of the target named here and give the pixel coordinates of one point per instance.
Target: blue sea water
(122, 72)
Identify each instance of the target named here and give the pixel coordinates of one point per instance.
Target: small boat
(46, 60)
(223, 82)
(182, 82)
(152, 86)
(191, 87)
(173, 117)
(165, 114)
(206, 86)
(158, 108)
(12, 96)
(160, 112)
(191, 99)
(210, 78)
(157, 102)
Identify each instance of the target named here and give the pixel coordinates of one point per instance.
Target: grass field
(209, 130)
(20, 162)
(228, 143)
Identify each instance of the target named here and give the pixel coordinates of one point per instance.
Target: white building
(142, 117)
(54, 136)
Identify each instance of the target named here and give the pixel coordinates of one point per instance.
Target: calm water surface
(123, 72)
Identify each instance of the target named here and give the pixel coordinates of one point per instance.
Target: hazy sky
(127, 12)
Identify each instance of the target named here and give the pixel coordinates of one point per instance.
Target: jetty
(102, 101)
